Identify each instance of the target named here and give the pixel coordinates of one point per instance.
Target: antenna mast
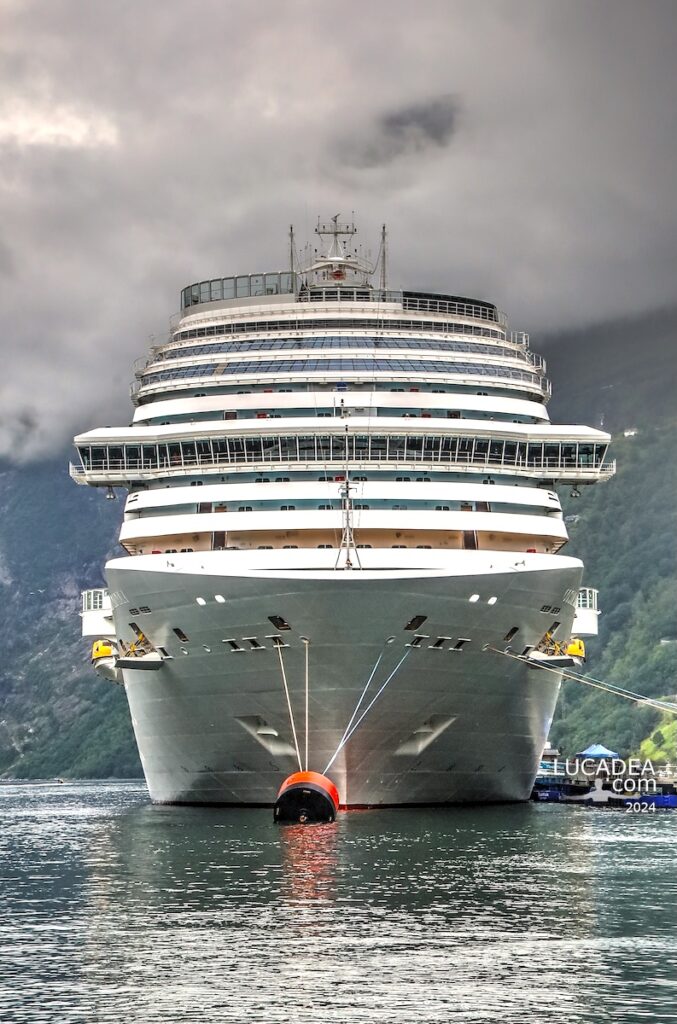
(384, 278)
(347, 537)
(291, 248)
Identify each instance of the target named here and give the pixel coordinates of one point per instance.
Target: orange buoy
(306, 798)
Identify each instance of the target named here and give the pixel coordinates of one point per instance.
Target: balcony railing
(100, 473)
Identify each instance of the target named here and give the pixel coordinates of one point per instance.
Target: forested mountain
(624, 375)
(58, 718)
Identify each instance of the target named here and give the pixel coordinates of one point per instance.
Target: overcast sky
(522, 151)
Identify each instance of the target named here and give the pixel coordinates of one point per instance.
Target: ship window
(325, 545)
(242, 287)
(278, 622)
(133, 611)
(163, 652)
(257, 284)
(181, 635)
(233, 644)
(554, 627)
(228, 288)
(290, 547)
(511, 632)
(417, 621)
(460, 643)
(144, 609)
(287, 508)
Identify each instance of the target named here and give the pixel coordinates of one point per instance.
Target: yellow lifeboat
(101, 649)
(104, 657)
(576, 648)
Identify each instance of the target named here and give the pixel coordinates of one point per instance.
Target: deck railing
(137, 469)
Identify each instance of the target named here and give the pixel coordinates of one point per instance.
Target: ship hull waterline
(455, 723)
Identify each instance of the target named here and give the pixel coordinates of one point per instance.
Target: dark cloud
(407, 130)
(520, 152)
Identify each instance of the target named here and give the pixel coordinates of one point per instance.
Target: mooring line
(291, 713)
(378, 693)
(596, 684)
(307, 645)
(362, 695)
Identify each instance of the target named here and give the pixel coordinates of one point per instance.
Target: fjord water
(115, 910)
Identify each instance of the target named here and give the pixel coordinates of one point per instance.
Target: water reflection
(116, 910)
(309, 862)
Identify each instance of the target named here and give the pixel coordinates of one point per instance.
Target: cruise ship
(343, 543)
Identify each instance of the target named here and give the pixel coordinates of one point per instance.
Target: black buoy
(306, 798)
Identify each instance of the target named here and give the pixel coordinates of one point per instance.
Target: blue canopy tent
(597, 750)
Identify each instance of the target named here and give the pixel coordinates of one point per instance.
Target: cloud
(523, 153)
(407, 130)
(27, 125)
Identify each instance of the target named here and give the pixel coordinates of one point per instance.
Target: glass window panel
(286, 283)
(149, 456)
(229, 287)
(194, 294)
(257, 284)
(216, 290)
(204, 291)
(242, 287)
(535, 454)
(132, 455)
(188, 450)
(496, 451)
(272, 284)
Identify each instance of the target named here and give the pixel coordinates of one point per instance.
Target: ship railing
(467, 309)
(131, 469)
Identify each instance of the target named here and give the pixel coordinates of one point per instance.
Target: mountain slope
(56, 716)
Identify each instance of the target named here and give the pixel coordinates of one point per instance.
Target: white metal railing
(137, 469)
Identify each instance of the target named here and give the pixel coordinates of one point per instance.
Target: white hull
(452, 726)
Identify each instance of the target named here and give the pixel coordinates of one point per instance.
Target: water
(115, 910)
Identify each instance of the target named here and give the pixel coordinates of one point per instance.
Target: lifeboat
(104, 658)
(306, 798)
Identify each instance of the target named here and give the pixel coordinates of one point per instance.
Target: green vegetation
(627, 537)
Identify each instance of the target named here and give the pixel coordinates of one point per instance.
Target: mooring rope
(291, 713)
(350, 731)
(307, 645)
(362, 695)
(597, 684)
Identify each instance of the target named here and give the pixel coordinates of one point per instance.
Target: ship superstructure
(332, 486)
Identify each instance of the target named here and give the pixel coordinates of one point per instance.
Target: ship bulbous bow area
(306, 798)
